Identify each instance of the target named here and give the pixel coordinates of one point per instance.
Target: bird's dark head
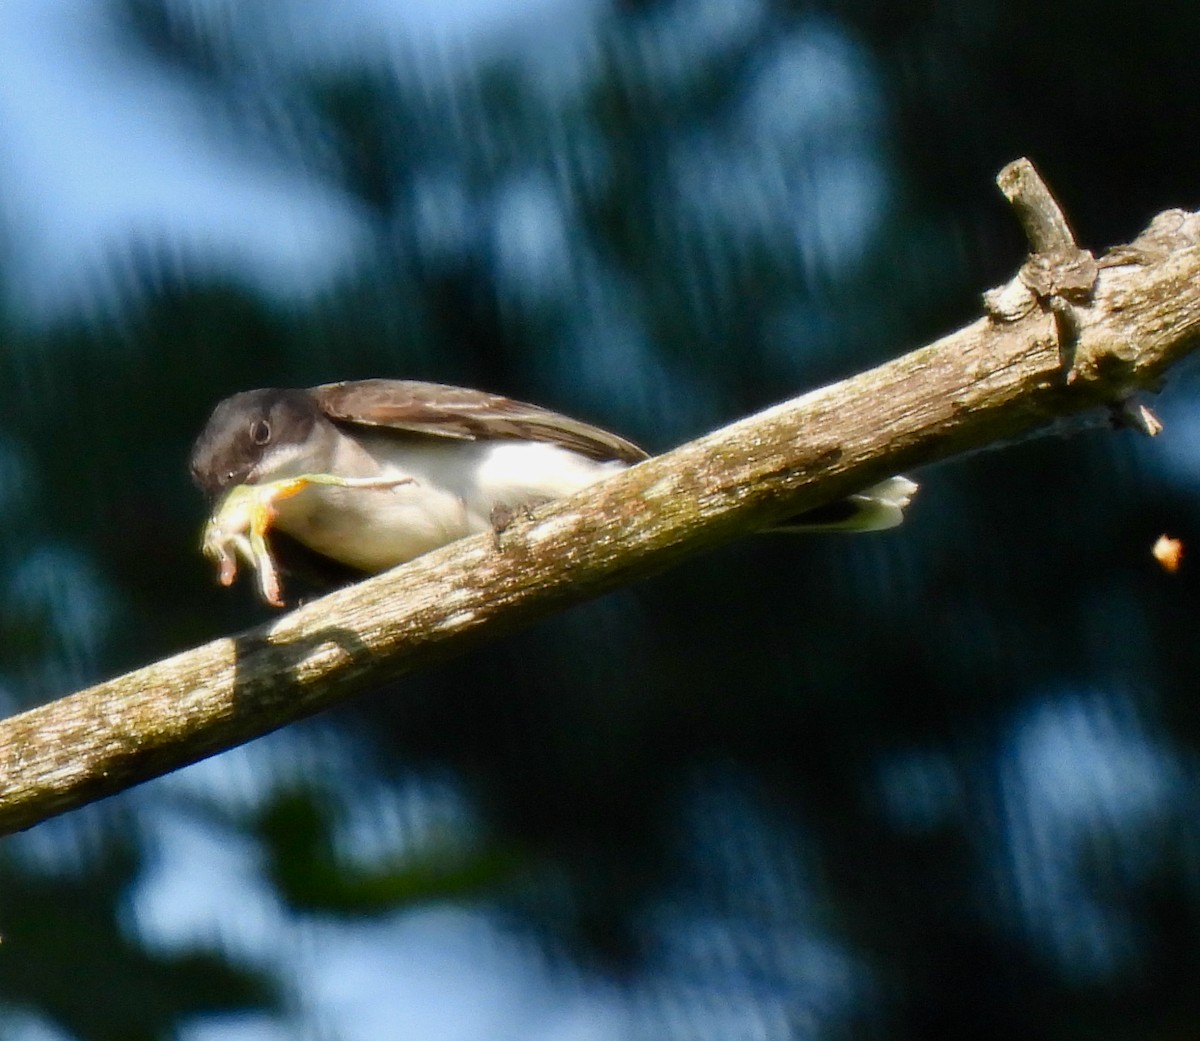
(258, 435)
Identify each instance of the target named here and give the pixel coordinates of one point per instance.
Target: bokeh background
(937, 783)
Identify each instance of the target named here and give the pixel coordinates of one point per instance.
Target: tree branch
(1006, 375)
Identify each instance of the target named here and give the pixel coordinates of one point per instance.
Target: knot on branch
(1057, 275)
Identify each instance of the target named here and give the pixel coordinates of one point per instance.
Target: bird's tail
(873, 509)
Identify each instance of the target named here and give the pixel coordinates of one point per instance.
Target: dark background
(936, 783)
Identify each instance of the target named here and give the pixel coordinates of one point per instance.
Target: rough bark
(1069, 335)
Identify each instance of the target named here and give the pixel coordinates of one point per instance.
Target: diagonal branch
(1000, 378)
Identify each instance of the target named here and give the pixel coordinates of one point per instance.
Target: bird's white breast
(453, 489)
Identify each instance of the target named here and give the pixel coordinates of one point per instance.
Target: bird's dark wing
(456, 412)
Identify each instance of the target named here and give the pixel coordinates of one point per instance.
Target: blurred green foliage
(957, 761)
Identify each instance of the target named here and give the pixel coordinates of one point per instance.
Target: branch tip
(1041, 217)
(1136, 415)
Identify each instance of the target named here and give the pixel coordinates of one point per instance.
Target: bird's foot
(504, 515)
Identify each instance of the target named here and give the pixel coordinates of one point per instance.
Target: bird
(426, 464)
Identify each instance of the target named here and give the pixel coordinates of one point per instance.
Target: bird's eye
(228, 476)
(260, 431)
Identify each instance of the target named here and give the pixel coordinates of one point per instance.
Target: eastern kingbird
(431, 463)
